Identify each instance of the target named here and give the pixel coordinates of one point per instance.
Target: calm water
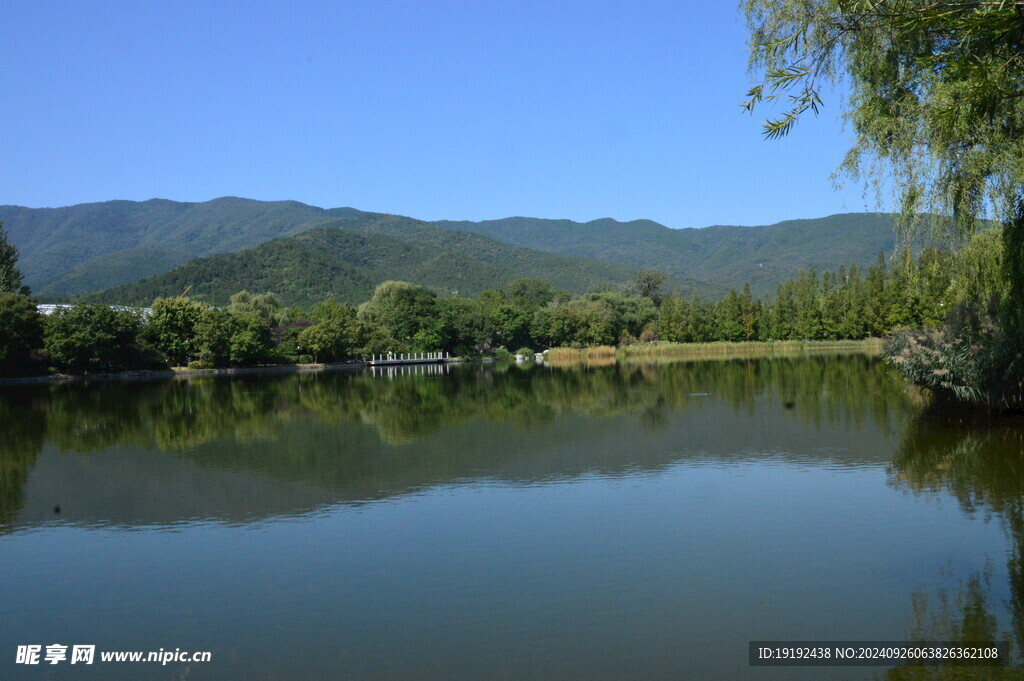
(521, 523)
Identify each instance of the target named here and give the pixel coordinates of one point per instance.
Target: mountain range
(129, 252)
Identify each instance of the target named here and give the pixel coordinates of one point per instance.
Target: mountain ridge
(347, 260)
(73, 250)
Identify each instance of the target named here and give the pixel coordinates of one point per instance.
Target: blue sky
(438, 110)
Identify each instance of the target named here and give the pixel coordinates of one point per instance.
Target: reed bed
(606, 354)
(600, 355)
(724, 348)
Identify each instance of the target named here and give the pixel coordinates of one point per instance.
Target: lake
(502, 522)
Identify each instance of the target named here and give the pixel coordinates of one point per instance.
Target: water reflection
(357, 436)
(597, 522)
(979, 461)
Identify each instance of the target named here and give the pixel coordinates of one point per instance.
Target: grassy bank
(606, 354)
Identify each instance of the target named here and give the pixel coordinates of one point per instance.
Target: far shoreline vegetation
(848, 310)
(668, 351)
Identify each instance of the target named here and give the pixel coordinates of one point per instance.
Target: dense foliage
(937, 111)
(21, 333)
(844, 305)
(528, 314)
(96, 338)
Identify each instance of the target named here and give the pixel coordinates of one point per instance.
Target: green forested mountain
(88, 247)
(349, 257)
(67, 250)
(119, 267)
(726, 255)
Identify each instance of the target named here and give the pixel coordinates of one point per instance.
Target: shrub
(503, 355)
(972, 359)
(650, 333)
(525, 352)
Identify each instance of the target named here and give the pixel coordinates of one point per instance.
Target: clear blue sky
(457, 110)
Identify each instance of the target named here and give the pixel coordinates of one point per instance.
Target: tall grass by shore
(599, 355)
(607, 354)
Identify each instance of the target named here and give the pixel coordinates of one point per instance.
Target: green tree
(831, 304)
(252, 341)
(511, 316)
(750, 314)
(808, 306)
(90, 338)
(406, 313)
(852, 324)
(703, 324)
(649, 283)
(532, 293)
(172, 328)
(785, 317)
(936, 106)
(264, 305)
(21, 332)
(10, 276)
(728, 318)
(214, 330)
(975, 279)
(467, 329)
(334, 334)
(675, 322)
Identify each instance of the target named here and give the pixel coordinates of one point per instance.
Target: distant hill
(81, 249)
(112, 269)
(725, 255)
(348, 258)
(64, 250)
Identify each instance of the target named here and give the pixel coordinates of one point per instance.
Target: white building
(50, 308)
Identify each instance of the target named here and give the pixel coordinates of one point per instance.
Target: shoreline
(561, 356)
(148, 375)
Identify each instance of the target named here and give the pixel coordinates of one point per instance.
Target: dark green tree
(172, 328)
(334, 334)
(532, 293)
(214, 330)
(467, 329)
(728, 318)
(406, 313)
(649, 283)
(11, 280)
(252, 341)
(750, 314)
(21, 332)
(90, 338)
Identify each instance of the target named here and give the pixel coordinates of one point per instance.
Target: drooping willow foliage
(935, 99)
(936, 104)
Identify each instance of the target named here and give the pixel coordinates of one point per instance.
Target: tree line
(529, 314)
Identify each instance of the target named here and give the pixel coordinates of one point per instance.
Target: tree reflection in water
(978, 460)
